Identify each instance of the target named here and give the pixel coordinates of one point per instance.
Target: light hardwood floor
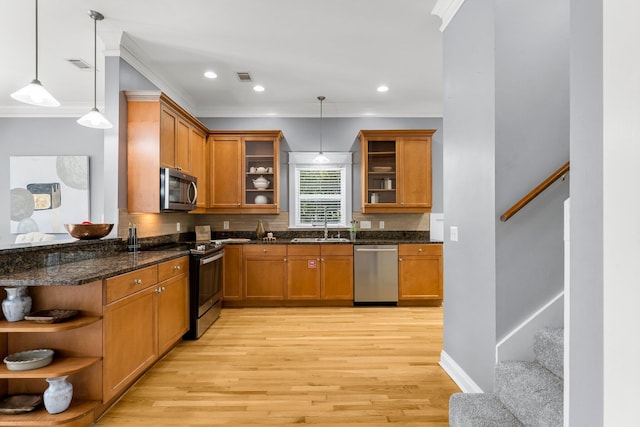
(370, 366)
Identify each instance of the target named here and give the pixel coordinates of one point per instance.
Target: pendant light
(321, 158)
(95, 119)
(34, 93)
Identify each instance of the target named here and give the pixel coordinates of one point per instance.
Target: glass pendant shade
(94, 119)
(35, 94)
(321, 158)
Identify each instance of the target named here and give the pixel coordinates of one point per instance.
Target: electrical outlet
(365, 224)
(381, 225)
(453, 233)
(225, 225)
(177, 226)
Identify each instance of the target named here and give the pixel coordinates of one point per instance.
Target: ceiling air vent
(244, 76)
(80, 63)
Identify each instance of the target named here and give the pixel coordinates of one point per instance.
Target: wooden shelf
(30, 326)
(79, 413)
(60, 366)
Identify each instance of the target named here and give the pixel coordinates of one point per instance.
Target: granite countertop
(89, 270)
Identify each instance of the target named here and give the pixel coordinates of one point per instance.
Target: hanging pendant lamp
(95, 119)
(321, 158)
(34, 93)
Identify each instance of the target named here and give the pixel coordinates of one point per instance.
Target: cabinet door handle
(264, 250)
(137, 281)
(419, 249)
(177, 267)
(399, 259)
(285, 260)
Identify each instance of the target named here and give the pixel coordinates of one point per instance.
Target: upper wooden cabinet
(396, 170)
(160, 134)
(239, 162)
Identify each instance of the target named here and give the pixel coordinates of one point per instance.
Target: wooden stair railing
(560, 173)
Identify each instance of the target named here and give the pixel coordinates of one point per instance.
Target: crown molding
(446, 10)
(127, 52)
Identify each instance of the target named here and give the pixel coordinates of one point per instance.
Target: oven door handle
(217, 256)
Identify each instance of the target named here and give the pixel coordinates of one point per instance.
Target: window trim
(305, 160)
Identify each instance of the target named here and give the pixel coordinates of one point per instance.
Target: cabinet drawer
(175, 267)
(303, 250)
(419, 249)
(280, 250)
(337, 249)
(129, 283)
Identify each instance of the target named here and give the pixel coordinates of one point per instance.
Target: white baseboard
(518, 344)
(458, 375)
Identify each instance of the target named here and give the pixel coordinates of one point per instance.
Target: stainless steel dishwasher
(375, 274)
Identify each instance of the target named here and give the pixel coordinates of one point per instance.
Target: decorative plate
(30, 359)
(51, 316)
(20, 403)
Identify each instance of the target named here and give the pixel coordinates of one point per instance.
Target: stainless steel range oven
(205, 283)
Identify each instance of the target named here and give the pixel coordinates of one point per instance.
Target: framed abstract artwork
(48, 192)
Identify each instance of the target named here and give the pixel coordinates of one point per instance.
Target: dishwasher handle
(376, 250)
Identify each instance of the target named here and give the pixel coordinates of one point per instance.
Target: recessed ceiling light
(210, 75)
(383, 88)
(258, 88)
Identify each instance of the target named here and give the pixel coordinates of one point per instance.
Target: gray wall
(506, 129)
(49, 137)
(586, 302)
(338, 134)
(532, 141)
(469, 193)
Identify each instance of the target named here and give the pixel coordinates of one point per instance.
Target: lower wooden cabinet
(264, 272)
(143, 325)
(337, 272)
(172, 311)
(129, 340)
(420, 272)
(303, 272)
(232, 273)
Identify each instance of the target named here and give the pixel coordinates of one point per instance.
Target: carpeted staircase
(526, 393)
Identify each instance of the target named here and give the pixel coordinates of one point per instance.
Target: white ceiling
(296, 49)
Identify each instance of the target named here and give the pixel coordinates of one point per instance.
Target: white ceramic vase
(57, 397)
(17, 304)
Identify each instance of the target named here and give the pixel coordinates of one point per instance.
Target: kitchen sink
(320, 240)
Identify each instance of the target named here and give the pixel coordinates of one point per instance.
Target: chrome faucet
(326, 229)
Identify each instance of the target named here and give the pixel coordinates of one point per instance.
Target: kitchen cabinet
(172, 307)
(244, 172)
(420, 272)
(159, 134)
(320, 272)
(396, 171)
(78, 353)
(145, 314)
(232, 273)
(336, 264)
(198, 152)
(264, 272)
(303, 272)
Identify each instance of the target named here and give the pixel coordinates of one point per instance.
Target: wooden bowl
(88, 231)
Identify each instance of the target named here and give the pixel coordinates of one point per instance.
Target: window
(319, 190)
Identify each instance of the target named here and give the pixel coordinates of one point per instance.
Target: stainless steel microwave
(178, 191)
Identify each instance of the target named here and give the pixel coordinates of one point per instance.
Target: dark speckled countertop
(89, 270)
(80, 262)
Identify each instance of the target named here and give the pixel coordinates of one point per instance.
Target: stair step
(479, 410)
(531, 392)
(548, 347)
